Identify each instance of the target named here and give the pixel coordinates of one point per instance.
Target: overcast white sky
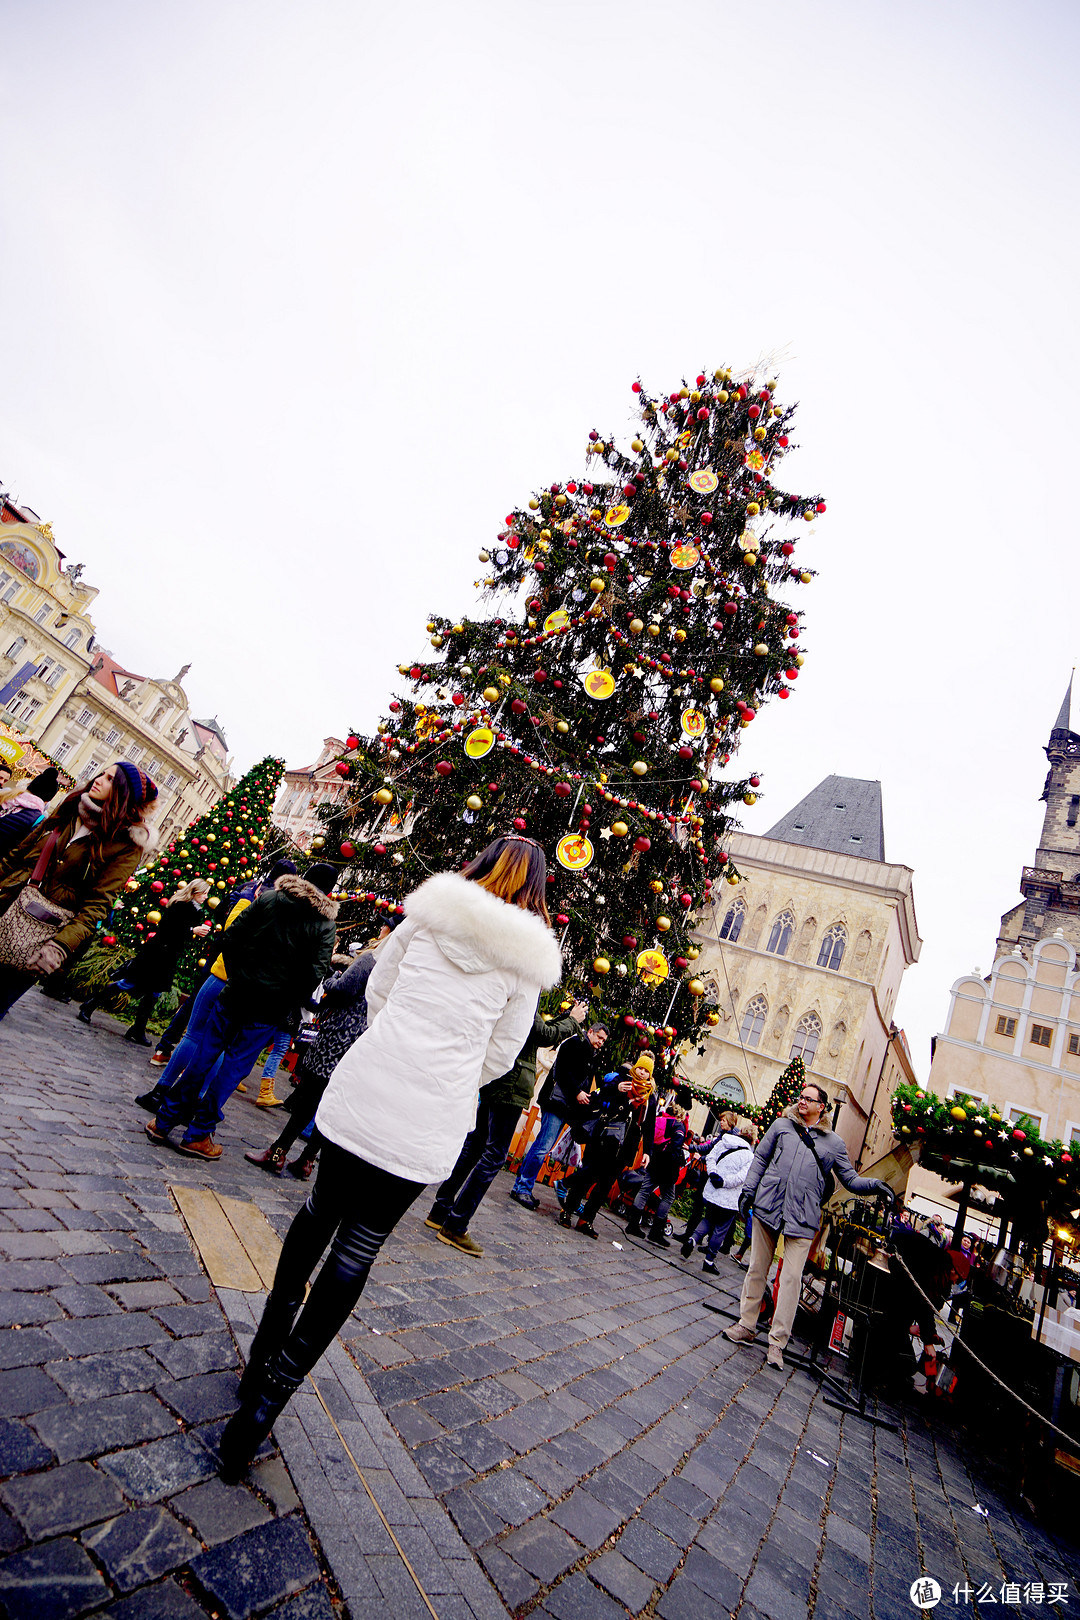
(300, 297)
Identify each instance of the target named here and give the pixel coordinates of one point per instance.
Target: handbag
(31, 920)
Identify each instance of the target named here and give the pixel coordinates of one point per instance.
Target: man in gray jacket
(785, 1188)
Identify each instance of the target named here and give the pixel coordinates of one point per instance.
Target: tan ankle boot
(266, 1098)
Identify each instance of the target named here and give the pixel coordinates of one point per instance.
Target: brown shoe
(203, 1148)
(460, 1240)
(272, 1160)
(160, 1137)
(738, 1334)
(301, 1168)
(775, 1357)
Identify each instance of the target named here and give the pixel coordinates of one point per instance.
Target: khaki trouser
(762, 1248)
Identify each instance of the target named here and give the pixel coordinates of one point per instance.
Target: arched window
(831, 953)
(805, 1040)
(16, 647)
(731, 927)
(782, 930)
(753, 1020)
(73, 638)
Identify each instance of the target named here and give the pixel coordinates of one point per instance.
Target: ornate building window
(805, 1041)
(831, 953)
(73, 638)
(753, 1020)
(731, 927)
(782, 930)
(16, 647)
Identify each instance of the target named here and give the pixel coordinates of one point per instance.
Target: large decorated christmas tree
(636, 621)
(224, 846)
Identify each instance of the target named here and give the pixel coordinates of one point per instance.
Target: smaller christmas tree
(782, 1095)
(224, 846)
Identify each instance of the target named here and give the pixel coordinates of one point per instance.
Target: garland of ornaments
(975, 1140)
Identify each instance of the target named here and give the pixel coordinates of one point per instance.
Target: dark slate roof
(1062, 723)
(842, 813)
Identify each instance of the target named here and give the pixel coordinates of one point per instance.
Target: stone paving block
(513, 1583)
(183, 1320)
(441, 1467)
(585, 1518)
(271, 1477)
(86, 1430)
(474, 1518)
(622, 1579)
(219, 1511)
(27, 1346)
(514, 1499)
(314, 1604)
(147, 1473)
(649, 1550)
(125, 1331)
(166, 1601)
(105, 1268)
(51, 1582)
(454, 1410)
(85, 1299)
(27, 1389)
(143, 1296)
(203, 1353)
(27, 1310)
(20, 1449)
(397, 1586)
(542, 1548)
(199, 1399)
(577, 1598)
(258, 1568)
(140, 1546)
(61, 1499)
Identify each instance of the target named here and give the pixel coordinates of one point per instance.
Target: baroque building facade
(305, 788)
(1012, 1037)
(81, 707)
(805, 958)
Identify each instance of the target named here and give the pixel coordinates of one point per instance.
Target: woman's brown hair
(118, 812)
(515, 870)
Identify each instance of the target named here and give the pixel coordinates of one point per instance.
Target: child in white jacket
(726, 1166)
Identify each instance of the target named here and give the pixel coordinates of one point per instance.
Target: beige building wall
(859, 1055)
(44, 621)
(307, 787)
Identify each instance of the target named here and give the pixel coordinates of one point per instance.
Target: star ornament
(605, 833)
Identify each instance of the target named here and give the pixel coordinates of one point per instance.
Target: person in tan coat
(102, 836)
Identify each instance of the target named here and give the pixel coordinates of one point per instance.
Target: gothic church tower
(1051, 888)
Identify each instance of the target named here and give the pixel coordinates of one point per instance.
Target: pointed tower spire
(1065, 712)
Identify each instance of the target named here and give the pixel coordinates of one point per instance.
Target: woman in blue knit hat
(95, 839)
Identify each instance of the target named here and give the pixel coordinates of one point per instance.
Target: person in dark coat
(666, 1159)
(482, 1157)
(275, 953)
(342, 1019)
(621, 1116)
(151, 972)
(563, 1100)
(21, 811)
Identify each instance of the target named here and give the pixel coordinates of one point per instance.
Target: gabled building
(305, 788)
(805, 958)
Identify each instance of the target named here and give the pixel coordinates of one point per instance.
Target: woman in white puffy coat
(450, 1004)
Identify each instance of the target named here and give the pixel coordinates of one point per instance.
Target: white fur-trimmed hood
(478, 931)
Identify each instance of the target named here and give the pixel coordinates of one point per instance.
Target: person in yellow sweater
(202, 1004)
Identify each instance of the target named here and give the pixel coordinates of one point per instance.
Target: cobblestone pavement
(556, 1429)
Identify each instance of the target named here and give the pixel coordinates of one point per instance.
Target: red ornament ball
(443, 767)
(348, 850)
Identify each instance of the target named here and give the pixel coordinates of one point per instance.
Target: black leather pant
(353, 1207)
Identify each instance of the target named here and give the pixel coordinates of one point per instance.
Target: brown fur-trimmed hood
(300, 889)
(143, 836)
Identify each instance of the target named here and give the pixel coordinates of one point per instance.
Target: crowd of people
(437, 1023)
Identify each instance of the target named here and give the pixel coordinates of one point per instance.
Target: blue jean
(276, 1053)
(478, 1163)
(237, 1045)
(551, 1128)
(187, 1050)
(715, 1224)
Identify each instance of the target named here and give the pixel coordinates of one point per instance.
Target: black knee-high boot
(279, 1314)
(90, 1006)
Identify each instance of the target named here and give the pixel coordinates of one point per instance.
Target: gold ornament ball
(475, 802)
(484, 556)
(663, 923)
(596, 514)
(636, 445)
(153, 917)
(543, 545)
(560, 500)
(761, 650)
(534, 505)
(696, 987)
(504, 680)
(597, 585)
(403, 669)
(750, 558)
(806, 578)
(693, 953)
(316, 843)
(213, 902)
(619, 829)
(722, 396)
(636, 626)
(656, 886)
(639, 767)
(695, 397)
(958, 1113)
(436, 641)
(491, 694)
(671, 455)
(654, 629)
(684, 393)
(716, 684)
(601, 965)
(384, 796)
(545, 534)
(759, 434)
(561, 727)
(712, 1018)
(680, 635)
(732, 879)
(749, 798)
(752, 509)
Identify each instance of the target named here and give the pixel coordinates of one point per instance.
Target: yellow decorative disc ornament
(479, 742)
(694, 723)
(684, 556)
(557, 620)
(616, 516)
(704, 481)
(652, 966)
(599, 683)
(574, 852)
